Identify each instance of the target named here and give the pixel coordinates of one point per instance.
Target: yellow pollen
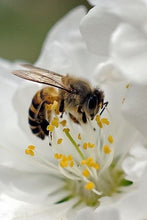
(31, 147)
(69, 157)
(85, 146)
(48, 107)
(71, 163)
(55, 122)
(64, 163)
(59, 141)
(96, 166)
(106, 149)
(110, 139)
(83, 162)
(63, 123)
(91, 145)
(86, 173)
(66, 130)
(98, 121)
(79, 136)
(58, 156)
(29, 152)
(127, 86)
(89, 186)
(105, 121)
(50, 128)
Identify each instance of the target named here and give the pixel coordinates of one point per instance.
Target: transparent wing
(40, 75)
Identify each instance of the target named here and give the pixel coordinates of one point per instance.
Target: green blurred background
(24, 24)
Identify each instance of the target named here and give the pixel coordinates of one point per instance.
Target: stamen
(86, 173)
(59, 141)
(90, 145)
(50, 128)
(30, 151)
(98, 121)
(89, 186)
(106, 149)
(66, 130)
(63, 123)
(110, 139)
(55, 122)
(79, 136)
(85, 146)
(105, 121)
(127, 86)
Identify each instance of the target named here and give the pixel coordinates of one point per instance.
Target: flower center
(85, 158)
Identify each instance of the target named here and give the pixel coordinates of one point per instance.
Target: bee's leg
(61, 107)
(79, 109)
(104, 105)
(84, 118)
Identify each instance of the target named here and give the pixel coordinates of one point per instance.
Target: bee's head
(93, 103)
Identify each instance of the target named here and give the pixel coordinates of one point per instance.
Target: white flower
(126, 36)
(85, 166)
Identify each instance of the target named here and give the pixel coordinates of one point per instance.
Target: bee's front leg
(61, 107)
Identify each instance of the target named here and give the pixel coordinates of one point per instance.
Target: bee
(74, 96)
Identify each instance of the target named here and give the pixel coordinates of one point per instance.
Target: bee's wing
(40, 75)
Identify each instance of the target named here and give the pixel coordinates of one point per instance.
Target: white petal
(99, 24)
(32, 187)
(97, 27)
(129, 51)
(135, 109)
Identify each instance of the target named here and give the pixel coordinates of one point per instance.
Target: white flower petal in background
(102, 20)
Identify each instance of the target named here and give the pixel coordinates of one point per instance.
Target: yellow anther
(98, 121)
(86, 173)
(105, 121)
(127, 86)
(69, 157)
(31, 147)
(59, 141)
(71, 163)
(58, 156)
(55, 122)
(79, 136)
(83, 162)
(66, 130)
(96, 166)
(50, 128)
(85, 146)
(63, 123)
(89, 186)
(64, 163)
(110, 139)
(91, 145)
(106, 149)
(29, 152)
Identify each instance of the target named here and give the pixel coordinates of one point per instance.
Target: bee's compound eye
(92, 102)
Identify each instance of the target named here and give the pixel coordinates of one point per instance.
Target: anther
(89, 186)
(106, 149)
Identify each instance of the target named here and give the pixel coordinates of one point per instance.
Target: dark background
(25, 23)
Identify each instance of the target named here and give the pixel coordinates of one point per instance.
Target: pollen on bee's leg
(89, 186)
(55, 122)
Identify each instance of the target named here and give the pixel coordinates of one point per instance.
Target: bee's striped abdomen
(37, 114)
